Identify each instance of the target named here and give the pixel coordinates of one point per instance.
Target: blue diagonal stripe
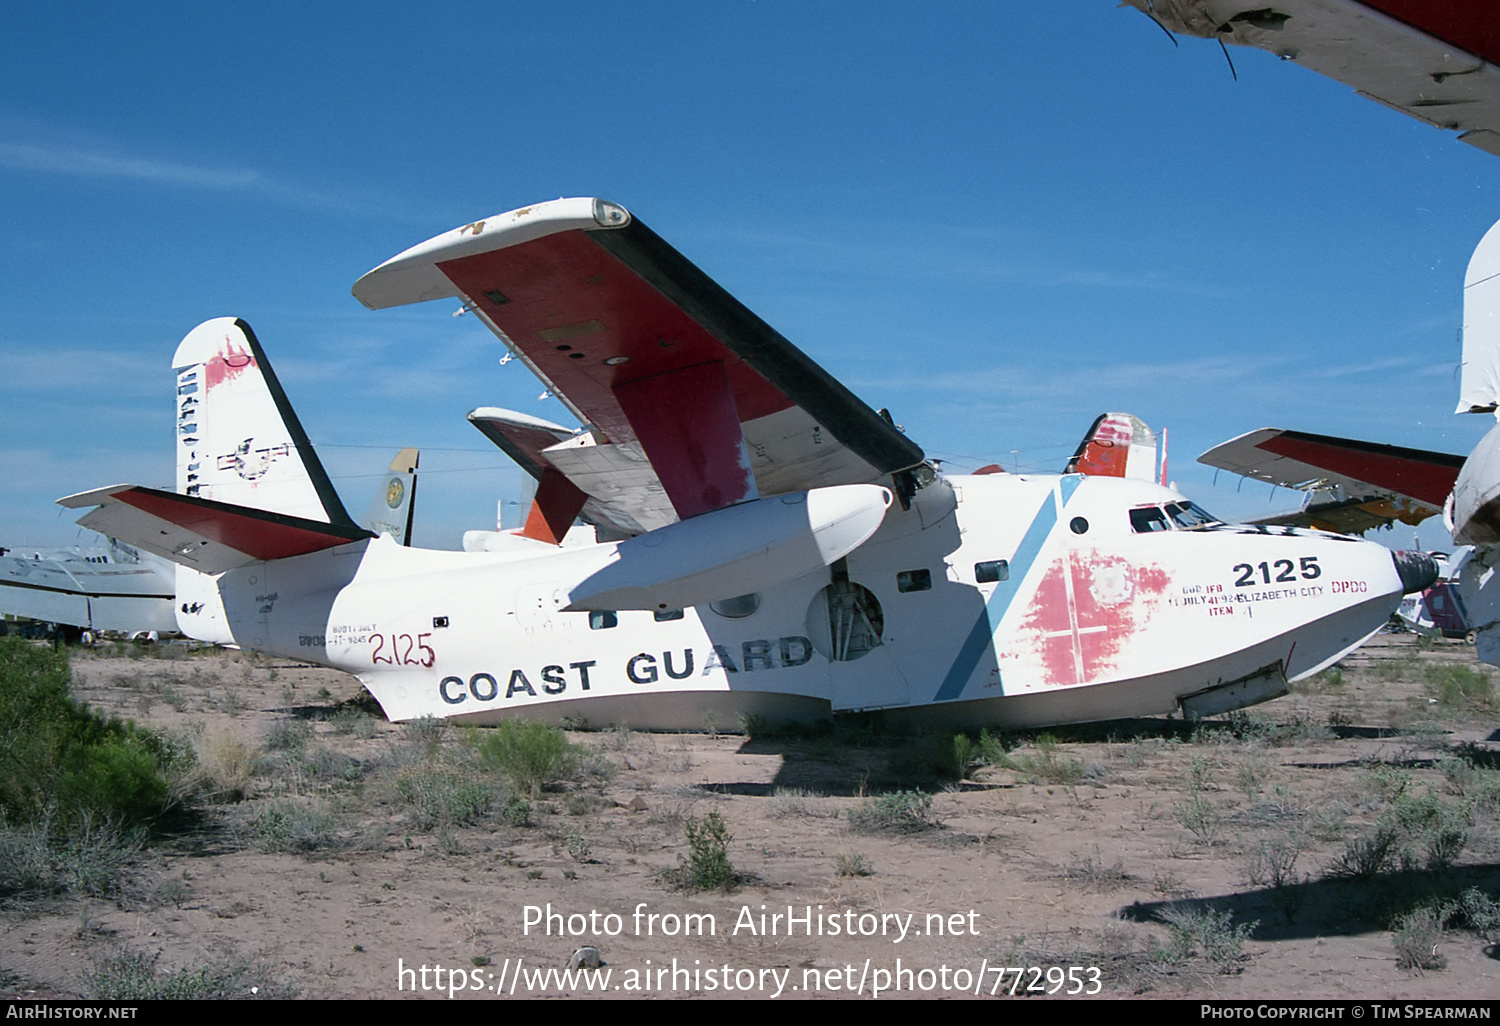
(981, 635)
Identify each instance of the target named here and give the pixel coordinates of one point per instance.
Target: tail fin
(1479, 383)
(395, 502)
(238, 440)
(1118, 445)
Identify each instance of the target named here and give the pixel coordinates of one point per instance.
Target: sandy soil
(1073, 858)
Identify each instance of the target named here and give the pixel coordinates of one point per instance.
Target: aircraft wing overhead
(1365, 484)
(692, 402)
(1437, 62)
(535, 444)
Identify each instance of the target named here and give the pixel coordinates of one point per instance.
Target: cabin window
(1078, 525)
(663, 615)
(992, 571)
(914, 580)
(738, 607)
(603, 619)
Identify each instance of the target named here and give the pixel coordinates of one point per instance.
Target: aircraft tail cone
(1418, 571)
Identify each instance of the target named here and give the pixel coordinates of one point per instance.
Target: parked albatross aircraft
(762, 541)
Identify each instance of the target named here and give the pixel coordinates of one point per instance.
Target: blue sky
(998, 220)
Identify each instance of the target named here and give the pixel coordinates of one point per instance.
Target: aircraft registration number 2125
(402, 649)
(1285, 572)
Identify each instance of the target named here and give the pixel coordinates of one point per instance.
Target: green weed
(902, 812)
(1416, 936)
(127, 975)
(442, 799)
(530, 754)
(1048, 766)
(852, 864)
(790, 801)
(1459, 688)
(1274, 861)
(1205, 932)
(1367, 856)
(708, 866)
(1201, 816)
(284, 826)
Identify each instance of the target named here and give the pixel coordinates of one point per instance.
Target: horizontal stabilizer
(202, 534)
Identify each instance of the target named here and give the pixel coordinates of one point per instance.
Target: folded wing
(690, 401)
(1354, 485)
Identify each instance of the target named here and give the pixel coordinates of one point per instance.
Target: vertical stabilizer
(1118, 445)
(394, 505)
(238, 440)
(1479, 384)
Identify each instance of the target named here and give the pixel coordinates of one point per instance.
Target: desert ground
(1341, 842)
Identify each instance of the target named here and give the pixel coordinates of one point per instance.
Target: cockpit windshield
(1187, 515)
(1148, 519)
(1182, 516)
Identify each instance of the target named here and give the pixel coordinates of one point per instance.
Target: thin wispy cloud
(72, 161)
(82, 161)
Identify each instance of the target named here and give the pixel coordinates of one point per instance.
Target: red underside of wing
(686, 422)
(243, 532)
(558, 501)
(1468, 24)
(571, 306)
(520, 442)
(1429, 482)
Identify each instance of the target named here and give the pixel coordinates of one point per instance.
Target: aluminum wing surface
(1437, 62)
(1354, 485)
(559, 499)
(692, 402)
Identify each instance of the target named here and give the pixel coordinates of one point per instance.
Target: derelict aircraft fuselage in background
(762, 542)
(1355, 484)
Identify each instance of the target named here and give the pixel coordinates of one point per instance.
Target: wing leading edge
(1355, 485)
(692, 402)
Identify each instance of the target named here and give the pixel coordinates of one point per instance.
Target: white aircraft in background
(763, 543)
(111, 586)
(102, 587)
(1354, 485)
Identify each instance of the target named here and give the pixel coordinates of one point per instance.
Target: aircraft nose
(1418, 571)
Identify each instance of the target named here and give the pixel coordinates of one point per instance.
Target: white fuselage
(1009, 599)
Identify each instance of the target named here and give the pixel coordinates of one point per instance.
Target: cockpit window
(1184, 516)
(1188, 515)
(1148, 519)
